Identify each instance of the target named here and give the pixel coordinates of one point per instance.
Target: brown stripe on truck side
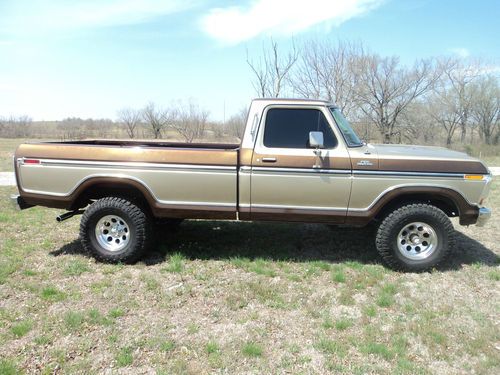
(293, 161)
(298, 215)
(145, 154)
(445, 166)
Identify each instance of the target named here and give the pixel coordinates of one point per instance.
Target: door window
(290, 127)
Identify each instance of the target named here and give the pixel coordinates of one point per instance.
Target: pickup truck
(299, 160)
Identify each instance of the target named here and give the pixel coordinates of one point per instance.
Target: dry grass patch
(225, 297)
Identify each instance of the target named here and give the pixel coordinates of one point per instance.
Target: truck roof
(293, 101)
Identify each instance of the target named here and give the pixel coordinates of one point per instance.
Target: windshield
(345, 127)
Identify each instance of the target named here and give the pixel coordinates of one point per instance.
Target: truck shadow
(213, 240)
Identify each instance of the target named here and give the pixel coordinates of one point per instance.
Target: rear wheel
(115, 230)
(415, 237)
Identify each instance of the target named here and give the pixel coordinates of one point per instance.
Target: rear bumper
(19, 203)
(484, 216)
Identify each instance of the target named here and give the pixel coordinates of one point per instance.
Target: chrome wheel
(112, 233)
(417, 241)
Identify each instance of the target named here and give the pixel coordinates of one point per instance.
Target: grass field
(225, 297)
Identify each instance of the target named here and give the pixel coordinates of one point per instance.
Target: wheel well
(111, 189)
(447, 205)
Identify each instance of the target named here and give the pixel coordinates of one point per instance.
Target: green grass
(175, 263)
(494, 275)
(95, 317)
(264, 293)
(116, 313)
(167, 346)
(7, 268)
(212, 347)
(193, 328)
(338, 275)
(252, 349)
(51, 293)
(22, 328)
(327, 323)
(259, 266)
(370, 311)
(73, 320)
(76, 267)
(330, 346)
(124, 357)
(8, 367)
(386, 295)
(343, 324)
(379, 349)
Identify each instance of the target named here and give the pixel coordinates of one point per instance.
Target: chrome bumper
(484, 216)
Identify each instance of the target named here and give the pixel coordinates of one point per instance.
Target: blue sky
(61, 58)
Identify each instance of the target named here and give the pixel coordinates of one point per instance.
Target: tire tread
(383, 237)
(136, 214)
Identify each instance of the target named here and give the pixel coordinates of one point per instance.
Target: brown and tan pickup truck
(299, 160)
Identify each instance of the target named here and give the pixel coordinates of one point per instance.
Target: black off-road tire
(137, 224)
(396, 223)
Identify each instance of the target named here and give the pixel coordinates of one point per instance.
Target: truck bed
(139, 151)
(175, 178)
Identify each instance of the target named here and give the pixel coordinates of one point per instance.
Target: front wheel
(115, 230)
(415, 237)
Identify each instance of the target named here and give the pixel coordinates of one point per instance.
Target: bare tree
(190, 121)
(158, 119)
(235, 125)
(385, 89)
(417, 125)
(486, 108)
(131, 118)
(458, 79)
(271, 70)
(442, 108)
(71, 128)
(327, 71)
(16, 126)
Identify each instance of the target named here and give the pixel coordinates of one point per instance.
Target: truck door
(291, 181)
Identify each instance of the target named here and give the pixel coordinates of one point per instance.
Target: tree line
(414, 103)
(181, 121)
(436, 100)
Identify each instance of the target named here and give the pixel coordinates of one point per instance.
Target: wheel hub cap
(112, 232)
(417, 241)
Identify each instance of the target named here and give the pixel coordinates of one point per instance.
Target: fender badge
(364, 163)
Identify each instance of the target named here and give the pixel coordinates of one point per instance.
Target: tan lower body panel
(173, 191)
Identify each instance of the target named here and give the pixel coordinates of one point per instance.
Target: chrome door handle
(269, 160)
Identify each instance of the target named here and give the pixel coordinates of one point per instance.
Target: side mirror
(316, 140)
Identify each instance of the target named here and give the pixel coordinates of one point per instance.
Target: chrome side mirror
(316, 140)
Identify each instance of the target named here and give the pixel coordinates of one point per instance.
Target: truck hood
(414, 152)
(411, 158)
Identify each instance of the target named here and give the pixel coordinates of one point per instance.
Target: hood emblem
(364, 163)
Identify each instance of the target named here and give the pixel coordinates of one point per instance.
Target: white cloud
(64, 14)
(460, 52)
(237, 23)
